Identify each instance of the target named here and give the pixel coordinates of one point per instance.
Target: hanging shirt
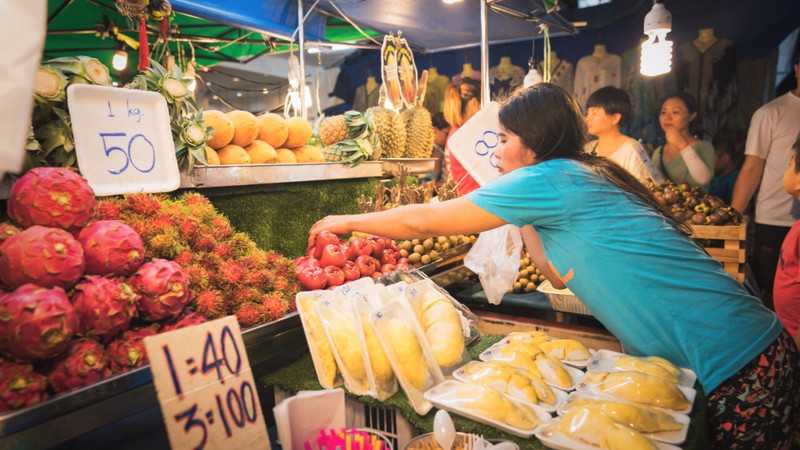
(593, 73)
(562, 75)
(632, 157)
(677, 169)
(650, 285)
(504, 80)
(773, 131)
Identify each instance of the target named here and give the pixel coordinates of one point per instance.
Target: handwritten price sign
(206, 389)
(475, 144)
(123, 139)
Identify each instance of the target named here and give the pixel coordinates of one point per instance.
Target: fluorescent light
(657, 49)
(451, 2)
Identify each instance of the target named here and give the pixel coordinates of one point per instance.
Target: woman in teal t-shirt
(604, 236)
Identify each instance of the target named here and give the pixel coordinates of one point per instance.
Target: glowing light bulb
(450, 2)
(120, 60)
(657, 49)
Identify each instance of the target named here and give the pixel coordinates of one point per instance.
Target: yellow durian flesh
(506, 378)
(641, 388)
(408, 354)
(640, 418)
(657, 367)
(596, 429)
(342, 330)
(553, 371)
(381, 367)
(314, 329)
(565, 349)
(442, 325)
(489, 403)
(528, 337)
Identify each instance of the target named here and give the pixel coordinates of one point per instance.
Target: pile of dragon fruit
(78, 296)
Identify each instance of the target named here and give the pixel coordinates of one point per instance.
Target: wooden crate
(732, 255)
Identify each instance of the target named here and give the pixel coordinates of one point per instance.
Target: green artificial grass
(278, 217)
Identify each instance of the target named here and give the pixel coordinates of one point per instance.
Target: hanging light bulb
(120, 60)
(657, 50)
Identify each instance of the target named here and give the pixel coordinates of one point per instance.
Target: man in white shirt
(773, 130)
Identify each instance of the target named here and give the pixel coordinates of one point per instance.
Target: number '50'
(137, 141)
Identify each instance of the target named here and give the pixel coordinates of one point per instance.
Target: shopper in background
(461, 102)
(786, 290)
(729, 151)
(606, 111)
(772, 133)
(441, 130)
(684, 158)
(609, 241)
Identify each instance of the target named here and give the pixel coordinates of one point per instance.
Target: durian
(408, 354)
(528, 337)
(490, 404)
(419, 135)
(594, 428)
(342, 331)
(509, 380)
(640, 418)
(565, 349)
(652, 365)
(377, 357)
(442, 325)
(639, 388)
(391, 131)
(316, 334)
(553, 371)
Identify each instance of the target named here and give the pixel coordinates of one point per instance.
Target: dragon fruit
(105, 306)
(35, 322)
(7, 230)
(127, 351)
(164, 288)
(51, 197)
(184, 321)
(111, 248)
(85, 363)
(20, 386)
(43, 256)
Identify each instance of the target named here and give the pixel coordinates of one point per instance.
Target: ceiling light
(120, 60)
(657, 50)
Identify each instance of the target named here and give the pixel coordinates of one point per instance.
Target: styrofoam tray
(574, 373)
(553, 439)
(574, 363)
(561, 396)
(689, 393)
(603, 361)
(434, 396)
(670, 437)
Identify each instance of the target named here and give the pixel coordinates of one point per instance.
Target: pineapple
(332, 130)
(349, 151)
(419, 135)
(391, 131)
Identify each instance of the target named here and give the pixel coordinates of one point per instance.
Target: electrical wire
(353, 24)
(305, 17)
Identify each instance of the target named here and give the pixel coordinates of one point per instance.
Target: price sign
(123, 139)
(206, 389)
(475, 143)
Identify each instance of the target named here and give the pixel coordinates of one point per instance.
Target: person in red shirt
(786, 290)
(461, 102)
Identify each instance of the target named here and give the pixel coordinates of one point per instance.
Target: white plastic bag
(495, 258)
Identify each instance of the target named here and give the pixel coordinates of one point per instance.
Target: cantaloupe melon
(233, 154)
(212, 158)
(261, 153)
(222, 128)
(299, 132)
(273, 129)
(308, 154)
(245, 128)
(285, 156)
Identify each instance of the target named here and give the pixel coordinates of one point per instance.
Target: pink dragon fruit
(111, 248)
(36, 323)
(164, 288)
(85, 363)
(186, 320)
(105, 306)
(20, 386)
(127, 351)
(43, 256)
(51, 197)
(7, 230)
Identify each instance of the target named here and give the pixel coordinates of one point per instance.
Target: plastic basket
(563, 300)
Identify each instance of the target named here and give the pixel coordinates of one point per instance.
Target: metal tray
(250, 174)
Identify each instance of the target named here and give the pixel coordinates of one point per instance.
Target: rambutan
(188, 228)
(198, 276)
(204, 243)
(274, 306)
(230, 272)
(144, 204)
(165, 245)
(258, 278)
(184, 258)
(195, 199)
(242, 245)
(245, 295)
(108, 209)
(210, 303)
(280, 283)
(250, 314)
(223, 250)
(221, 226)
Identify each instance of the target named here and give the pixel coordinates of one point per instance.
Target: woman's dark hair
(691, 105)
(612, 100)
(439, 122)
(548, 121)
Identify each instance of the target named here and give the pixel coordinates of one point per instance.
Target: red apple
(390, 243)
(335, 276)
(388, 268)
(324, 239)
(358, 247)
(367, 265)
(312, 278)
(389, 256)
(351, 271)
(379, 247)
(332, 255)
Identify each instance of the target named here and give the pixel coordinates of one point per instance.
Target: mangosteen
(715, 218)
(660, 198)
(698, 219)
(670, 196)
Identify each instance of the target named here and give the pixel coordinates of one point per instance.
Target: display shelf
(70, 415)
(414, 166)
(251, 174)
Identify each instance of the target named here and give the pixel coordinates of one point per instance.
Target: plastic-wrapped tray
(321, 351)
(555, 440)
(603, 361)
(575, 374)
(669, 437)
(346, 339)
(582, 363)
(438, 397)
(561, 396)
(689, 393)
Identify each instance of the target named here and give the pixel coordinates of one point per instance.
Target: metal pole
(485, 93)
(302, 35)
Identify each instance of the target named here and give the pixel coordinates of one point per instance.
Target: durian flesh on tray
(594, 428)
(489, 404)
(339, 321)
(565, 349)
(531, 359)
(510, 381)
(651, 365)
(640, 388)
(640, 418)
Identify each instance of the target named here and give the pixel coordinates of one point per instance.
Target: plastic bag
(346, 339)
(497, 270)
(322, 356)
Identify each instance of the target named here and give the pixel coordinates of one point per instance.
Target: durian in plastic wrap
(531, 359)
(528, 337)
(321, 352)
(594, 428)
(385, 383)
(441, 322)
(639, 388)
(339, 321)
(510, 381)
(641, 418)
(554, 372)
(565, 349)
(651, 365)
(490, 404)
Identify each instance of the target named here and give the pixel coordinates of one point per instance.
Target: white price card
(475, 143)
(205, 387)
(123, 139)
